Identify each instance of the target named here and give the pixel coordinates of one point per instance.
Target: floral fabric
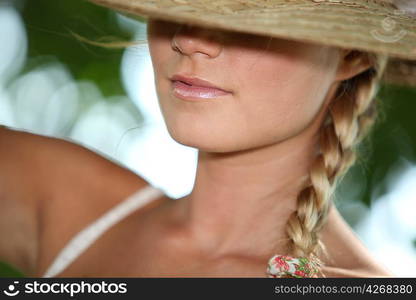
(287, 266)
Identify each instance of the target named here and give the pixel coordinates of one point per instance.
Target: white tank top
(86, 237)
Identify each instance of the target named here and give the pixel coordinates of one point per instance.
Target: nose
(191, 40)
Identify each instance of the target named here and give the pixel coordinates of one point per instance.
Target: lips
(196, 81)
(192, 88)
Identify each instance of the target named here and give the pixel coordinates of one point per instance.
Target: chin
(203, 140)
(212, 141)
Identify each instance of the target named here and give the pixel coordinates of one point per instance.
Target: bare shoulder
(347, 254)
(51, 164)
(49, 189)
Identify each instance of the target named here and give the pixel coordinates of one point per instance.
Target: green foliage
(393, 138)
(49, 25)
(7, 270)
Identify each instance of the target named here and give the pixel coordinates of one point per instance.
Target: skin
(255, 148)
(255, 145)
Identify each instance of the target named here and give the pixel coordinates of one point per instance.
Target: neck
(241, 201)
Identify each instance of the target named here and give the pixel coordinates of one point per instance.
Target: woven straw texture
(369, 25)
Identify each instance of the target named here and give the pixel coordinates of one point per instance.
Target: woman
(276, 121)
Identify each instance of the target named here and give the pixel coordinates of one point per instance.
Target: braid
(350, 118)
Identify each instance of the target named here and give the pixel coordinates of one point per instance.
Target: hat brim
(374, 26)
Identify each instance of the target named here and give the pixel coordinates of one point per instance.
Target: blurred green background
(388, 154)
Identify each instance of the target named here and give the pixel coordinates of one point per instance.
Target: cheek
(285, 96)
(160, 53)
(159, 37)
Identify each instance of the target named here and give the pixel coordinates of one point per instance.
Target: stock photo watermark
(62, 288)
(390, 31)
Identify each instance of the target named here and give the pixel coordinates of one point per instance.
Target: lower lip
(193, 92)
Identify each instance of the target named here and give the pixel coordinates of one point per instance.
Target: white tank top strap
(85, 238)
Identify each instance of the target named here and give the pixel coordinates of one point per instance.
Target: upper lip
(195, 81)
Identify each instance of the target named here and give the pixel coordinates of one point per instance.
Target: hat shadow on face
(229, 38)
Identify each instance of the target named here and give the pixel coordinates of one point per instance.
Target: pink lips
(188, 88)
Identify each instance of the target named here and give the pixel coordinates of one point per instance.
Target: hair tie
(287, 266)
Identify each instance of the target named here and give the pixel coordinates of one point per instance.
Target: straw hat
(381, 26)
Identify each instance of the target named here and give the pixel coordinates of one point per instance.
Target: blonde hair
(351, 115)
(108, 41)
